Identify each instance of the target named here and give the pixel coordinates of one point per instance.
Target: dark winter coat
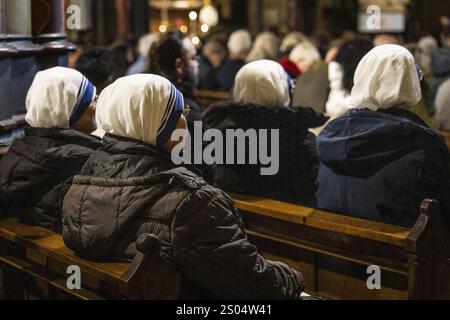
(298, 162)
(381, 165)
(131, 188)
(34, 172)
(227, 74)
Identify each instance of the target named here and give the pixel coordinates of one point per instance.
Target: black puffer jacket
(130, 189)
(34, 172)
(298, 161)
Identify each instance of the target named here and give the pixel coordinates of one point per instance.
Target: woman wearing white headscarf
(131, 189)
(262, 102)
(33, 172)
(380, 161)
(265, 47)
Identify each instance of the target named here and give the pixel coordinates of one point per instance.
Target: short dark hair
(96, 65)
(164, 54)
(349, 56)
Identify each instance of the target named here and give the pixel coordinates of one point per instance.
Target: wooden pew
(206, 98)
(34, 262)
(3, 150)
(334, 252)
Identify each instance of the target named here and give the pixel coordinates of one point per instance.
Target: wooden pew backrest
(41, 256)
(334, 251)
(206, 98)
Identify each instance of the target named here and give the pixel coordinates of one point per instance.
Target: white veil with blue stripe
(143, 107)
(57, 98)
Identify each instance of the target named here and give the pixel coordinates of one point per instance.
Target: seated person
(341, 72)
(131, 188)
(380, 161)
(265, 47)
(97, 66)
(239, 45)
(33, 172)
(262, 100)
(212, 58)
(174, 57)
(313, 85)
(144, 45)
(442, 104)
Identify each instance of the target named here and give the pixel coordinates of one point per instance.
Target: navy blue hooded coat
(381, 165)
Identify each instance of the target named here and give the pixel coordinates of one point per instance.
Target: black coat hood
(362, 142)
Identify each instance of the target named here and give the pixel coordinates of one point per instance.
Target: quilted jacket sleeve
(212, 251)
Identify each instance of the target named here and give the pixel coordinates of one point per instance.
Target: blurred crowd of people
(322, 68)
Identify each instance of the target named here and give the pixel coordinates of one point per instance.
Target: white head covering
(386, 77)
(143, 107)
(265, 47)
(264, 83)
(442, 104)
(57, 98)
(240, 42)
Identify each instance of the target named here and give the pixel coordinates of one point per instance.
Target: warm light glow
(184, 28)
(196, 41)
(162, 28)
(204, 28)
(193, 15)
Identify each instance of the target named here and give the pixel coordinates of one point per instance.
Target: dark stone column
(255, 16)
(6, 52)
(139, 18)
(49, 31)
(24, 64)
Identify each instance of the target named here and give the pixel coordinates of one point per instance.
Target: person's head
(290, 41)
(382, 39)
(442, 104)
(123, 57)
(425, 48)
(239, 44)
(386, 77)
(215, 52)
(321, 41)
(265, 47)
(444, 23)
(333, 51)
(305, 55)
(174, 57)
(61, 98)
(97, 65)
(145, 44)
(349, 56)
(142, 107)
(263, 83)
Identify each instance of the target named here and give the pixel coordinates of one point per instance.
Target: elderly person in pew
(380, 161)
(262, 99)
(131, 187)
(60, 114)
